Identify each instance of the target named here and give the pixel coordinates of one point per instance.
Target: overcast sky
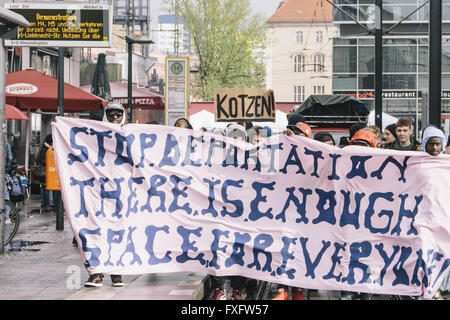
(265, 7)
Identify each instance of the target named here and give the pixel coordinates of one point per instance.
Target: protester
(182, 123)
(46, 203)
(433, 142)
(405, 140)
(377, 135)
(389, 135)
(325, 137)
(256, 134)
(114, 113)
(236, 131)
(345, 141)
(364, 137)
(299, 129)
(237, 283)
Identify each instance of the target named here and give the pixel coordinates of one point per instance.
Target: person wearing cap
(298, 129)
(389, 135)
(256, 134)
(364, 137)
(325, 137)
(114, 113)
(433, 141)
(237, 283)
(405, 140)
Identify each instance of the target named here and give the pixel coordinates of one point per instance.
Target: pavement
(42, 264)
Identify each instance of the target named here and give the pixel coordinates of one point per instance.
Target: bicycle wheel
(14, 217)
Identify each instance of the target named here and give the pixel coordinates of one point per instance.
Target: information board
(63, 25)
(177, 89)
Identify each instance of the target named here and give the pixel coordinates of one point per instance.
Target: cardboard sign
(247, 104)
(291, 210)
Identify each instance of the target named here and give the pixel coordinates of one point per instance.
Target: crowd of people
(398, 136)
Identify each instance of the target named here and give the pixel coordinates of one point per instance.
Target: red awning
(12, 113)
(141, 98)
(31, 89)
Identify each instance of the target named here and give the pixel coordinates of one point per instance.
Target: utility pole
(378, 63)
(435, 47)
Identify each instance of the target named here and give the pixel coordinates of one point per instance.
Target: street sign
(177, 89)
(63, 25)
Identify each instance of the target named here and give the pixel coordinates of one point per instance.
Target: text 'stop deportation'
(291, 210)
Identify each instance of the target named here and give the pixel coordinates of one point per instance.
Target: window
(319, 36)
(319, 89)
(299, 36)
(299, 63)
(299, 93)
(319, 62)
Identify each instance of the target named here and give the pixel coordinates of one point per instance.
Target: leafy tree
(228, 40)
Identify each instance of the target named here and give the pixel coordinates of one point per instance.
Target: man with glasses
(114, 113)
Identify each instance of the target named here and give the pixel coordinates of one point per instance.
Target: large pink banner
(147, 198)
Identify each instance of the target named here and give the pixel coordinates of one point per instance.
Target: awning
(12, 113)
(141, 98)
(31, 89)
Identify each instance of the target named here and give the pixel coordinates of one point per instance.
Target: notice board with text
(63, 25)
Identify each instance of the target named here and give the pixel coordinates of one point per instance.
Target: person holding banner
(114, 113)
(304, 130)
(405, 140)
(237, 283)
(364, 137)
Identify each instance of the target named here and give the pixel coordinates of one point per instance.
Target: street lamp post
(130, 42)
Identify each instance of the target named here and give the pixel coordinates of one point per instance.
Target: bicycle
(12, 226)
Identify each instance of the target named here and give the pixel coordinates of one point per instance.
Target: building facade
(299, 50)
(405, 55)
(172, 37)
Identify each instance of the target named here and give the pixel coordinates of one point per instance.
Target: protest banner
(291, 210)
(247, 104)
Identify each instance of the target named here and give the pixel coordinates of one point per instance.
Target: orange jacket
(51, 176)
